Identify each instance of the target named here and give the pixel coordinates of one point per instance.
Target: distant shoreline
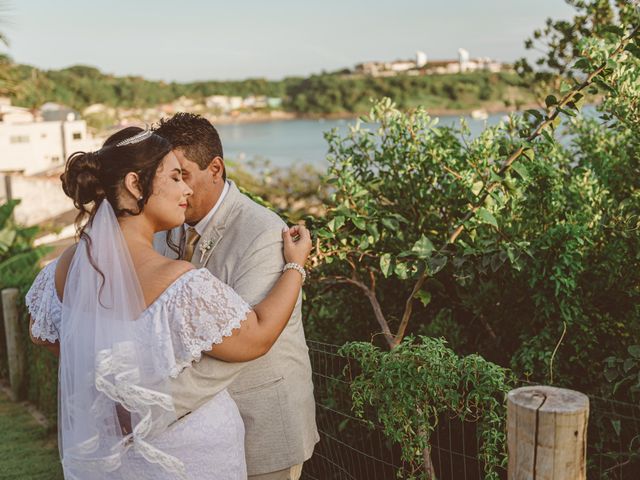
(278, 116)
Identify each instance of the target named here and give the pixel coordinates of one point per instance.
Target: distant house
(183, 104)
(421, 59)
(217, 102)
(369, 68)
(54, 112)
(34, 145)
(402, 66)
(253, 101)
(274, 102)
(235, 103)
(223, 103)
(420, 66)
(11, 114)
(386, 69)
(457, 66)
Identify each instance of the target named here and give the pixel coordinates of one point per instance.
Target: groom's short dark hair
(194, 135)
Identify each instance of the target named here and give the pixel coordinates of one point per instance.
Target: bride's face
(168, 202)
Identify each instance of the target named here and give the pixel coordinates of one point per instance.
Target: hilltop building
(463, 59)
(33, 143)
(421, 59)
(420, 66)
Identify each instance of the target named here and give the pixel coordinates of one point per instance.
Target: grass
(27, 450)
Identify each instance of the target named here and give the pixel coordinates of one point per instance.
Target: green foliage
(420, 382)
(565, 44)
(19, 264)
(80, 86)
(539, 232)
(321, 94)
(27, 450)
(18, 258)
(42, 372)
(292, 192)
(625, 370)
(501, 242)
(544, 249)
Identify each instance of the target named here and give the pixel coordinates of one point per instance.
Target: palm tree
(5, 61)
(4, 9)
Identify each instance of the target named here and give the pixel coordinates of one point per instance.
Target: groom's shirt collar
(201, 226)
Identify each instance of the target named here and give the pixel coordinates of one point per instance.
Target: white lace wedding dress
(196, 311)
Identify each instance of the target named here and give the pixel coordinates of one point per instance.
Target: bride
(125, 320)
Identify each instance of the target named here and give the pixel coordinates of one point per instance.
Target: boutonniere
(205, 246)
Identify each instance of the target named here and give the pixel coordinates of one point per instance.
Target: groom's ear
(216, 167)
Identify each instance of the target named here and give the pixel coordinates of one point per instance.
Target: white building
(463, 58)
(421, 59)
(33, 147)
(401, 66)
(255, 101)
(42, 197)
(274, 102)
(11, 114)
(235, 103)
(368, 68)
(224, 103)
(464, 63)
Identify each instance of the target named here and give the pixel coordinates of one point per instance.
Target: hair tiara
(137, 138)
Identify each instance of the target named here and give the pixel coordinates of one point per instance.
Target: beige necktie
(190, 243)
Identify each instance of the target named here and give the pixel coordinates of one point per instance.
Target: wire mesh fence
(613, 451)
(351, 448)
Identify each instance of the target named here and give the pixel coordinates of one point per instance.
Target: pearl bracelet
(297, 267)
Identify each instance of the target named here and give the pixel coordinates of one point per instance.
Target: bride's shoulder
(163, 271)
(62, 268)
(162, 278)
(173, 268)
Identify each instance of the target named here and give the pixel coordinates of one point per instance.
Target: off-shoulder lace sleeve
(204, 311)
(43, 304)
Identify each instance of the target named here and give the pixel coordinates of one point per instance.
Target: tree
(513, 244)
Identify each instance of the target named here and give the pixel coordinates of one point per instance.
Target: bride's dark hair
(90, 178)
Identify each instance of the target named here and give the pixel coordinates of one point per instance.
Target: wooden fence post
(547, 434)
(15, 342)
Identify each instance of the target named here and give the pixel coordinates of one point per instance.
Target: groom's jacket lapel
(215, 230)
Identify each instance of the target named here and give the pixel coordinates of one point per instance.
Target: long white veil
(114, 391)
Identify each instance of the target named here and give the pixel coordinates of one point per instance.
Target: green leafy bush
(521, 245)
(19, 264)
(417, 383)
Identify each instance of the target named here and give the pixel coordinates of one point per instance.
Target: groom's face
(207, 185)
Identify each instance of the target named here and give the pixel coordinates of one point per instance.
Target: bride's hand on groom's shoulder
(297, 244)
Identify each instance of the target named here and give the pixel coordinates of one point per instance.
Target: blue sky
(187, 40)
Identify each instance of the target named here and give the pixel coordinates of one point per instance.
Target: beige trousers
(292, 473)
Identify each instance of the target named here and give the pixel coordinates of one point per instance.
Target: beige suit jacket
(274, 393)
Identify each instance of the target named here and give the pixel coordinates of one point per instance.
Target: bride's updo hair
(90, 178)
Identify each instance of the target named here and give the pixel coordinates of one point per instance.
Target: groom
(240, 242)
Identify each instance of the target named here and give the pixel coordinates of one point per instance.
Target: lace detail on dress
(44, 305)
(117, 377)
(193, 313)
(202, 311)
